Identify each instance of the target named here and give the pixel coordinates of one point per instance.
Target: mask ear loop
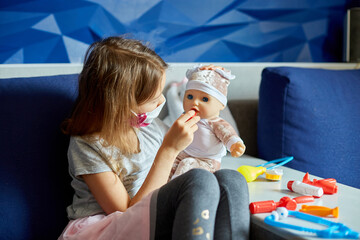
(139, 120)
(334, 230)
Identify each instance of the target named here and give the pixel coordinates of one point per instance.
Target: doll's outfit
(210, 143)
(214, 136)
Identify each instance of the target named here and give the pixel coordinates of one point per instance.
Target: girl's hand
(179, 136)
(237, 149)
(181, 133)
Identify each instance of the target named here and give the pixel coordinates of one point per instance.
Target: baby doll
(206, 93)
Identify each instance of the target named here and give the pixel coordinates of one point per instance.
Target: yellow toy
(251, 173)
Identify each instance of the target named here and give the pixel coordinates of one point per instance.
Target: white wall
(248, 75)
(245, 86)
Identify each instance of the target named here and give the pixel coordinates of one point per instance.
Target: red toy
(192, 115)
(328, 185)
(269, 206)
(305, 189)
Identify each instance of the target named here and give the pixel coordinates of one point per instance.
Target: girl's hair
(118, 75)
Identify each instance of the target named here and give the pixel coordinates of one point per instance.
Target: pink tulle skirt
(132, 224)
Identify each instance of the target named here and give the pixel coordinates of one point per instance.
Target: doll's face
(205, 105)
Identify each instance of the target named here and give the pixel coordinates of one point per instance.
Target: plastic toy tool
(328, 185)
(269, 206)
(334, 230)
(320, 211)
(274, 174)
(251, 173)
(192, 115)
(305, 189)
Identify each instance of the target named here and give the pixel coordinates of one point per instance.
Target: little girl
(120, 157)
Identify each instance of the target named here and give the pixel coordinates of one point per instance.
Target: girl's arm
(110, 192)
(179, 136)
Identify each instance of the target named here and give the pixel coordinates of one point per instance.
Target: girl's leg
(186, 206)
(233, 216)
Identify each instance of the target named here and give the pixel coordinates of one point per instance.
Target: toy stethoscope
(334, 230)
(251, 173)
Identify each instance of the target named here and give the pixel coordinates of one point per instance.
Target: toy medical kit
(334, 230)
(269, 206)
(328, 185)
(274, 174)
(251, 173)
(192, 115)
(305, 189)
(320, 211)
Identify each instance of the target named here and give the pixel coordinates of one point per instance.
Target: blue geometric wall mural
(59, 31)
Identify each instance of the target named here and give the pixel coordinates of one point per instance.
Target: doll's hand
(210, 67)
(237, 149)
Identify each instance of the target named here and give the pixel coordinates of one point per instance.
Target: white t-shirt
(89, 158)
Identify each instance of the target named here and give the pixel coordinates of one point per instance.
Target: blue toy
(335, 230)
(282, 161)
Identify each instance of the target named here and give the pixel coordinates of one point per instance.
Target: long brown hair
(118, 75)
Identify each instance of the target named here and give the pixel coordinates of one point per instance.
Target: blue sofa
(312, 114)
(34, 181)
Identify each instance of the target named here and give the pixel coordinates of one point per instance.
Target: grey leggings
(202, 205)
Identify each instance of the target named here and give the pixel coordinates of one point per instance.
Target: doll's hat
(213, 82)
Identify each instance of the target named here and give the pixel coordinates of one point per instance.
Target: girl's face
(205, 105)
(155, 101)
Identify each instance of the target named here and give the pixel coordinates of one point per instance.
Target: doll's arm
(227, 134)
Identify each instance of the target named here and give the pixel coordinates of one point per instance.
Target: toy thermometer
(305, 189)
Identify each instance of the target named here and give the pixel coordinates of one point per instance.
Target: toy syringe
(251, 173)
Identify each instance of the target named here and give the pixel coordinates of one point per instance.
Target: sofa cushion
(34, 184)
(313, 115)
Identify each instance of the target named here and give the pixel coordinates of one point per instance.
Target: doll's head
(206, 91)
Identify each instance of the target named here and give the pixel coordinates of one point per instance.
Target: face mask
(144, 119)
